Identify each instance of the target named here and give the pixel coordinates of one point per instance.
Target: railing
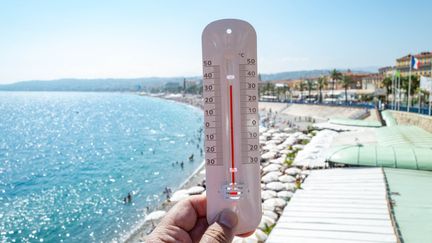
(424, 110)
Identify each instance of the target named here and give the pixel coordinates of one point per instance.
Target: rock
(303, 137)
(276, 202)
(270, 147)
(270, 214)
(305, 172)
(279, 161)
(249, 239)
(155, 215)
(271, 176)
(195, 190)
(289, 186)
(276, 186)
(290, 141)
(293, 171)
(268, 207)
(298, 146)
(286, 178)
(271, 167)
(267, 194)
(260, 235)
(264, 164)
(179, 195)
(270, 143)
(272, 130)
(268, 155)
(266, 222)
(288, 129)
(286, 195)
(266, 134)
(297, 134)
(281, 147)
(285, 151)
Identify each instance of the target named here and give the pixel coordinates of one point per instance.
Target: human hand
(186, 222)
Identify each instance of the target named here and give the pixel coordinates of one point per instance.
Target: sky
(50, 39)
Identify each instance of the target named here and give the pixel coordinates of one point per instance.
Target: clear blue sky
(42, 39)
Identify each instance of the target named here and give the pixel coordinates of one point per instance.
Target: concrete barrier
(405, 118)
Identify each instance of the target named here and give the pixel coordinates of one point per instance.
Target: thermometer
(230, 92)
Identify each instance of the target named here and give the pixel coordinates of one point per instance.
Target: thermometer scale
(230, 92)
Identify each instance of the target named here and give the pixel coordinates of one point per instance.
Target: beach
(280, 139)
(286, 130)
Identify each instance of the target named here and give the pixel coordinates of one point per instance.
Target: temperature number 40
(208, 75)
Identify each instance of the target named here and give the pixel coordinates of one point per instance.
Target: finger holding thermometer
(230, 92)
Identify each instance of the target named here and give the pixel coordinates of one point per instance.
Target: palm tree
(309, 84)
(285, 89)
(322, 82)
(335, 76)
(387, 83)
(415, 83)
(301, 87)
(346, 83)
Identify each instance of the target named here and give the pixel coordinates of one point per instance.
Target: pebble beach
(281, 139)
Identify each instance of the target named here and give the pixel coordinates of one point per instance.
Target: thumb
(222, 230)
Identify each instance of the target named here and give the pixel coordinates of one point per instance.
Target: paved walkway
(337, 205)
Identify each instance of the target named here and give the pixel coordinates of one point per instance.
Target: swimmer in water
(181, 165)
(128, 198)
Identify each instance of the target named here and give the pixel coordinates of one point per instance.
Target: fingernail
(228, 218)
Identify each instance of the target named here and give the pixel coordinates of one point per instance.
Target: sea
(68, 160)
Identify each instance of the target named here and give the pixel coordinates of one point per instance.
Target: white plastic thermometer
(230, 92)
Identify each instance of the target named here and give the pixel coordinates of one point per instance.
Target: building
(425, 62)
(356, 78)
(372, 81)
(387, 71)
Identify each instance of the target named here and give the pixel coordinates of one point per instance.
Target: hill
(135, 84)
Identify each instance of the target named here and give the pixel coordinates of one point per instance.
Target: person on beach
(168, 192)
(186, 222)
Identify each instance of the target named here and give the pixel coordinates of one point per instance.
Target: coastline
(280, 140)
(144, 227)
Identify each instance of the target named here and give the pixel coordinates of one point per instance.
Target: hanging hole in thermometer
(230, 92)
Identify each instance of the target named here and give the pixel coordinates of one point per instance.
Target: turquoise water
(68, 159)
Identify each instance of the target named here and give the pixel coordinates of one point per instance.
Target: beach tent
(406, 147)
